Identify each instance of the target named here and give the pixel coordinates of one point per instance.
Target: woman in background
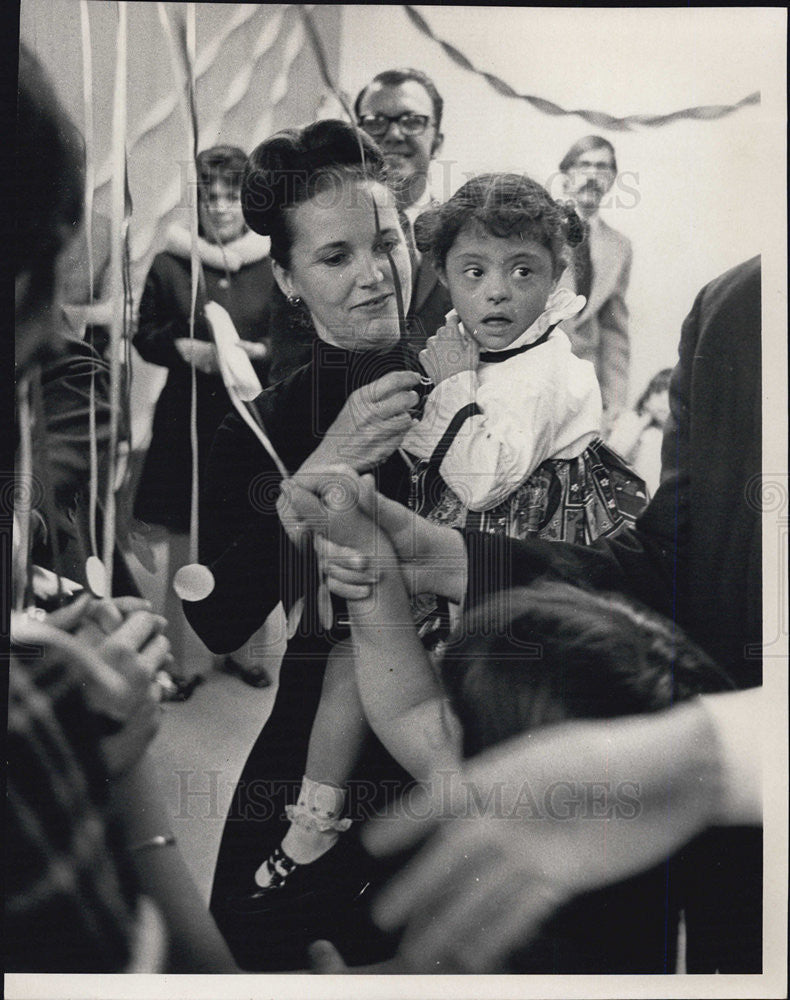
(238, 277)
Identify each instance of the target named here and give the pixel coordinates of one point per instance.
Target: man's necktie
(414, 256)
(583, 269)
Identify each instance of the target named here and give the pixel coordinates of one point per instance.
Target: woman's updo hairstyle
(505, 205)
(296, 164)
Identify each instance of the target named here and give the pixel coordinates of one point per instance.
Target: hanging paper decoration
(22, 511)
(117, 214)
(87, 94)
(600, 119)
(239, 376)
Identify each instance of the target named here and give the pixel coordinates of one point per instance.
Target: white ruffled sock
(315, 828)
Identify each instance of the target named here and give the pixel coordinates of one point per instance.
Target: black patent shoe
(296, 886)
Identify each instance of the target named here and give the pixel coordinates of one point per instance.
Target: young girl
(506, 443)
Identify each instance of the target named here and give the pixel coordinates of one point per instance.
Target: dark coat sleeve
(241, 540)
(163, 316)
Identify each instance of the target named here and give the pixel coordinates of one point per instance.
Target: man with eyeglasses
(600, 271)
(401, 109)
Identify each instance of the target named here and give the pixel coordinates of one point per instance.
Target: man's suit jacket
(430, 303)
(600, 332)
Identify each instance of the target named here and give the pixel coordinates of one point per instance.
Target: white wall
(701, 196)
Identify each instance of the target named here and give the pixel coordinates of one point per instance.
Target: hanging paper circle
(193, 582)
(96, 576)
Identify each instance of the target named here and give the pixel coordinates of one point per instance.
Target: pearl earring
(294, 300)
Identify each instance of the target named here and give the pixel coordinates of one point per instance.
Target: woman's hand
(198, 352)
(371, 425)
(334, 505)
(116, 647)
(432, 557)
(449, 351)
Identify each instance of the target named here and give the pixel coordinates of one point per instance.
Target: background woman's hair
(532, 656)
(504, 205)
(48, 179)
(295, 165)
(658, 383)
(220, 163)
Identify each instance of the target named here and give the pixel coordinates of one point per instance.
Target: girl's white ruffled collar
(561, 304)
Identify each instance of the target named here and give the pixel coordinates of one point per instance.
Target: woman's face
(219, 212)
(339, 265)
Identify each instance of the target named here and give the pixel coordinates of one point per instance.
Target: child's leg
(340, 725)
(335, 741)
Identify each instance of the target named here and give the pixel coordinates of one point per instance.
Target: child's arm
(490, 435)
(402, 698)
(403, 701)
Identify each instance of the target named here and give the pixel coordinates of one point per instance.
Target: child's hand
(449, 351)
(333, 502)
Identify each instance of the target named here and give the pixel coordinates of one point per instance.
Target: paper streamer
(226, 338)
(234, 362)
(600, 119)
(87, 94)
(116, 281)
(22, 502)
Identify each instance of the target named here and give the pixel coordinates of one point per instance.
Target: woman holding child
(338, 249)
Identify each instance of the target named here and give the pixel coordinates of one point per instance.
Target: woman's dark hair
(535, 655)
(220, 163)
(505, 205)
(658, 383)
(295, 165)
(48, 179)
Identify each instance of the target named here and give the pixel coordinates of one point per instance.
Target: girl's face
(339, 266)
(498, 285)
(220, 214)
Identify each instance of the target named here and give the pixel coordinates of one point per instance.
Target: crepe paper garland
(600, 119)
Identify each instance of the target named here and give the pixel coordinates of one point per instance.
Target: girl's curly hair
(505, 205)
